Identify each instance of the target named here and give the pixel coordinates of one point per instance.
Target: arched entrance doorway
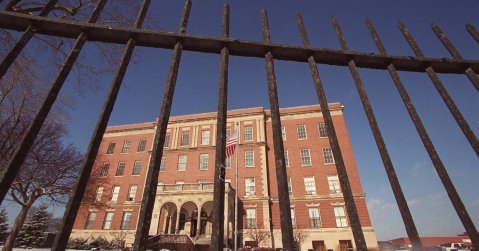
(167, 219)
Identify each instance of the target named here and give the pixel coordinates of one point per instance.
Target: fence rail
(270, 51)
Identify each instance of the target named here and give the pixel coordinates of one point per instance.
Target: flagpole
(236, 189)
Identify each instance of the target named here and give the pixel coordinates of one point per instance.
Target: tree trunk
(16, 227)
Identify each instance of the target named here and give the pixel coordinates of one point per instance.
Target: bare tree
(48, 175)
(258, 235)
(299, 237)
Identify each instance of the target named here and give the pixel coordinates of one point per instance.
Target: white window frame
(115, 192)
(99, 193)
(328, 155)
(302, 134)
(250, 217)
(120, 169)
(340, 216)
(126, 146)
(90, 220)
(136, 168)
(250, 186)
(111, 148)
(249, 158)
(290, 185)
(108, 220)
(305, 157)
(132, 192)
(248, 133)
(141, 145)
(314, 217)
(185, 139)
(204, 161)
(333, 184)
(163, 164)
(126, 221)
(205, 137)
(228, 162)
(104, 169)
(310, 185)
(323, 130)
(283, 133)
(286, 158)
(182, 162)
(166, 144)
(293, 217)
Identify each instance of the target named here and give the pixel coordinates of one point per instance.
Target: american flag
(231, 144)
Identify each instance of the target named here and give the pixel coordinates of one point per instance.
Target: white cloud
(413, 202)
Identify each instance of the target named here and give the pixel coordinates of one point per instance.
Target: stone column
(171, 224)
(177, 226)
(198, 223)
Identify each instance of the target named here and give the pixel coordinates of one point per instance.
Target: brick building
(185, 188)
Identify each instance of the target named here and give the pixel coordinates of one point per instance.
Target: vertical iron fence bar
(333, 141)
(466, 129)
(74, 202)
(22, 150)
(27, 35)
(383, 151)
(217, 219)
(151, 183)
(455, 54)
(281, 175)
(472, 30)
(437, 162)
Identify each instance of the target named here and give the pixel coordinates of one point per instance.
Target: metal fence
(225, 46)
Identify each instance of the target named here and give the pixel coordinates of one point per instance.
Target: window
(182, 159)
(314, 220)
(249, 158)
(290, 186)
(286, 158)
(126, 146)
(250, 217)
(283, 133)
(142, 145)
(310, 185)
(132, 193)
(108, 220)
(90, 220)
(185, 138)
(328, 155)
(305, 157)
(166, 144)
(293, 218)
(104, 169)
(99, 193)
(136, 168)
(248, 133)
(203, 161)
(228, 162)
(205, 137)
(162, 164)
(120, 169)
(126, 220)
(333, 182)
(115, 191)
(340, 216)
(301, 132)
(323, 131)
(249, 186)
(111, 148)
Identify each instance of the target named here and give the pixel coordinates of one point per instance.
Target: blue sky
(142, 92)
